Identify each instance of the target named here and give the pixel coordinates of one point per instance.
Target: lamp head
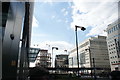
(55, 48)
(82, 28)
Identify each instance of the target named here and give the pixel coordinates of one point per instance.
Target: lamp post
(52, 54)
(82, 28)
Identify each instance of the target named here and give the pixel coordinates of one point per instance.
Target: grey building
(113, 43)
(92, 53)
(61, 60)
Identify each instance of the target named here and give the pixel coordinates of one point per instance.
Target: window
(119, 25)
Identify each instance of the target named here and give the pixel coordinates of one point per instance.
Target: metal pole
(90, 60)
(72, 62)
(77, 50)
(94, 68)
(24, 39)
(52, 57)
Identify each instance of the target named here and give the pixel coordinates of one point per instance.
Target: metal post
(52, 58)
(77, 50)
(52, 53)
(94, 68)
(72, 62)
(82, 28)
(24, 41)
(90, 60)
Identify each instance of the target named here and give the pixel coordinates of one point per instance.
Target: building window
(119, 25)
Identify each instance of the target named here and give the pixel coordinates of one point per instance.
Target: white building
(113, 42)
(92, 48)
(43, 59)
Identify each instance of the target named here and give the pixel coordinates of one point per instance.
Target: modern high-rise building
(43, 59)
(113, 43)
(92, 53)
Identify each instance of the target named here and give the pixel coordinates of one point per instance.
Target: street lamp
(82, 28)
(52, 54)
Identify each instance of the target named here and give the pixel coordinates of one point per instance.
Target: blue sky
(54, 21)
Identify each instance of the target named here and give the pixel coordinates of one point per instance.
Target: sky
(54, 21)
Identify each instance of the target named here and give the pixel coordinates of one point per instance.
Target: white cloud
(59, 20)
(35, 22)
(39, 35)
(95, 14)
(62, 45)
(63, 10)
(53, 17)
(65, 13)
(66, 20)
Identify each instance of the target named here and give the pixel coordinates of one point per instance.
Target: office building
(113, 43)
(92, 53)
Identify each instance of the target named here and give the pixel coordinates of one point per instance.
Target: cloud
(59, 20)
(66, 20)
(65, 13)
(39, 35)
(62, 45)
(96, 15)
(63, 10)
(35, 22)
(53, 17)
